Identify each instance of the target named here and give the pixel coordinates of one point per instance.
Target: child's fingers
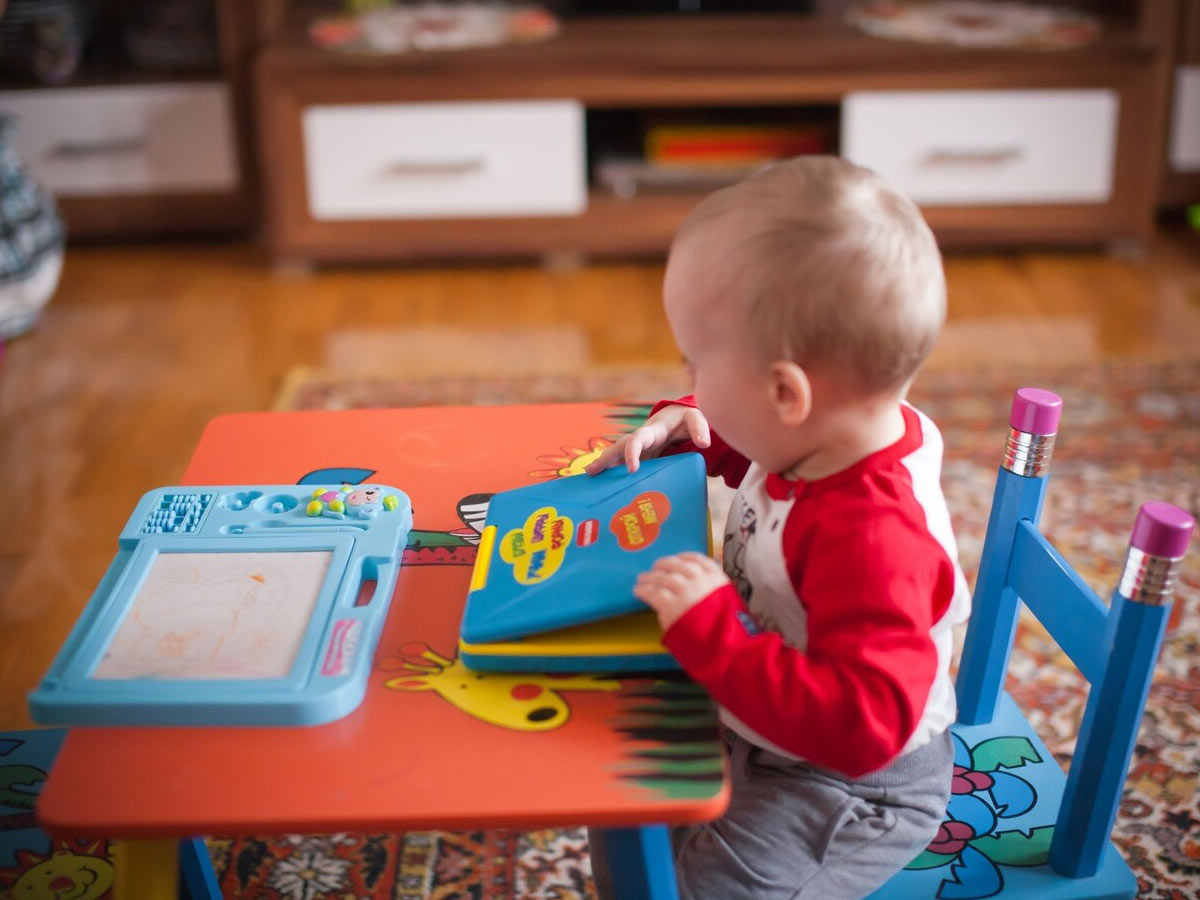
(643, 443)
(607, 459)
(649, 439)
(626, 448)
(662, 578)
(650, 577)
(687, 564)
(697, 428)
(633, 451)
(668, 565)
(701, 560)
(658, 578)
(649, 590)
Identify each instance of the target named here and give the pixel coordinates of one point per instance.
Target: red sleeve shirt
(833, 642)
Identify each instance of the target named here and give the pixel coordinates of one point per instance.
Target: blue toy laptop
(552, 588)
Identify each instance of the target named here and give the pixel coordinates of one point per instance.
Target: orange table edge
(432, 745)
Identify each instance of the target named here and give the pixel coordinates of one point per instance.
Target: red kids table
(432, 746)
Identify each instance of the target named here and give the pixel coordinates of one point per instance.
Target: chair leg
(993, 624)
(198, 881)
(1114, 711)
(641, 863)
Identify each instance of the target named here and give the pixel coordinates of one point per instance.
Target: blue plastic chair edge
(993, 623)
(198, 880)
(641, 863)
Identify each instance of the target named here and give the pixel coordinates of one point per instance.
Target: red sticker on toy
(637, 525)
(587, 533)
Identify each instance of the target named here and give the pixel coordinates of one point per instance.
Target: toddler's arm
(850, 699)
(675, 426)
(669, 425)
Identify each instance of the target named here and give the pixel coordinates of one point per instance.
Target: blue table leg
(641, 863)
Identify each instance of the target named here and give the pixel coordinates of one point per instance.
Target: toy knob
(1162, 530)
(1035, 411)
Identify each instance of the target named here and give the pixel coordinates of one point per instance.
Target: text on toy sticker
(536, 549)
(637, 524)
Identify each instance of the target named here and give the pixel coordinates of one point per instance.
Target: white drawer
(134, 139)
(426, 160)
(972, 148)
(1184, 147)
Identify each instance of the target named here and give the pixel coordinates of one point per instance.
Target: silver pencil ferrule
(1028, 454)
(1148, 579)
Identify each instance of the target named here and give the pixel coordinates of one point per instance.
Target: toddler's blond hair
(835, 270)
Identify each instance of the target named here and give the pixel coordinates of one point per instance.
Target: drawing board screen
(217, 616)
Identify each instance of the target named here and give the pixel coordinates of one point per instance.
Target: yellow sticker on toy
(536, 550)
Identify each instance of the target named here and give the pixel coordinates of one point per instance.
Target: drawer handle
(997, 156)
(84, 149)
(420, 168)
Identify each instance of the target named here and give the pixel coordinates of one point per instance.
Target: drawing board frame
(237, 550)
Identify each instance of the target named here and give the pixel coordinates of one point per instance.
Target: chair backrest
(1115, 645)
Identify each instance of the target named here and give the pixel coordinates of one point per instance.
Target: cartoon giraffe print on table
(520, 701)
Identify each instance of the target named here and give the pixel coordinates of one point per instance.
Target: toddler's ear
(791, 392)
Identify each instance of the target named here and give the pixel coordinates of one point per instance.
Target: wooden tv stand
(322, 113)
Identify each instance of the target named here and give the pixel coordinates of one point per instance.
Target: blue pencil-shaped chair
(1016, 825)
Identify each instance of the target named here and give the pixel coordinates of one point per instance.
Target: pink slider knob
(1035, 411)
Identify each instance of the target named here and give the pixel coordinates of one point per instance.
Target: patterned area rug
(1130, 433)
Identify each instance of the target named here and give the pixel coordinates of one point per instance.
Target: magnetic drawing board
(234, 605)
(565, 553)
(217, 615)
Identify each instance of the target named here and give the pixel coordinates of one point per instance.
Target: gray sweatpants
(795, 831)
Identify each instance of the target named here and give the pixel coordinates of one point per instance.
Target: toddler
(803, 300)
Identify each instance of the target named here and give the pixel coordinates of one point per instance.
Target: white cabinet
(978, 148)
(1184, 147)
(436, 160)
(129, 139)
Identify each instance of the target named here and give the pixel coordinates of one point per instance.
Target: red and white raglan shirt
(833, 642)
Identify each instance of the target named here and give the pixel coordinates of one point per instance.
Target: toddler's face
(732, 388)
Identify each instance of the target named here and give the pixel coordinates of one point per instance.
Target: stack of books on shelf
(703, 157)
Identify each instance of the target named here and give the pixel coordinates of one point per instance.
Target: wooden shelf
(643, 226)
(157, 210)
(611, 226)
(668, 61)
(690, 62)
(155, 215)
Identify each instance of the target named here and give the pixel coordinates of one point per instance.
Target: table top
(432, 745)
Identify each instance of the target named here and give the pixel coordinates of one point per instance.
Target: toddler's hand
(677, 583)
(669, 425)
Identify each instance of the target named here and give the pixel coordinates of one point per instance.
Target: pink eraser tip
(1162, 529)
(1035, 411)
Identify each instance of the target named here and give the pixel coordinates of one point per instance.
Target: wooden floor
(142, 345)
